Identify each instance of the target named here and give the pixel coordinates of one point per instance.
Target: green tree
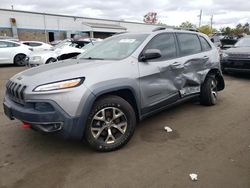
(206, 29)
(187, 24)
(246, 28)
(227, 30)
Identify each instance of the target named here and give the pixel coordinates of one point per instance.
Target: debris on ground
(4, 164)
(194, 177)
(168, 129)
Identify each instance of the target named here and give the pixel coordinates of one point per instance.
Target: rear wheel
(209, 92)
(111, 124)
(19, 59)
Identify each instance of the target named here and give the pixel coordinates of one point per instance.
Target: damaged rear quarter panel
(160, 80)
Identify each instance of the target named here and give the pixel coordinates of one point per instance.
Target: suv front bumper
(236, 65)
(54, 120)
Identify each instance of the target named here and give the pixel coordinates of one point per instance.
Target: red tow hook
(26, 125)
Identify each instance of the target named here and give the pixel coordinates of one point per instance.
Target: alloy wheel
(108, 125)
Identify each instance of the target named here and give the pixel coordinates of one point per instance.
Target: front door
(158, 77)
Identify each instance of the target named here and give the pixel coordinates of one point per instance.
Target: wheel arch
(123, 92)
(50, 58)
(218, 76)
(127, 93)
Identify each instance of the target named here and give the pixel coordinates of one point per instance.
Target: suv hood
(239, 50)
(62, 70)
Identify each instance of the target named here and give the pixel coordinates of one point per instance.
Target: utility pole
(200, 15)
(45, 28)
(211, 20)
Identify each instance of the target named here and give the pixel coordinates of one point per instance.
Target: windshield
(244, 42)
(115, 48)
(62, 44)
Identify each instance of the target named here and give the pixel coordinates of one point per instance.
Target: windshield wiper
(93, 58)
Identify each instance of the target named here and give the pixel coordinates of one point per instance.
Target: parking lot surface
(213, 142)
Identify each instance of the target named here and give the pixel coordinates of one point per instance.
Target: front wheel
(111, 124)
(209, 92)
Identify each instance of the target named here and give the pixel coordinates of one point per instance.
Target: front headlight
(59, 85)
(224, 55)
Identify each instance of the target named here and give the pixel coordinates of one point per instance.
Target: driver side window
(166, 44)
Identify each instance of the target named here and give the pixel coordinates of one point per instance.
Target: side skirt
(153, 110)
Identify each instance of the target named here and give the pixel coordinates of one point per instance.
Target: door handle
(177, 65)
(205, 58)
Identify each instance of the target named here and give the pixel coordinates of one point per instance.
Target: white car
(13, 52)
(64, 50)
(37, 45)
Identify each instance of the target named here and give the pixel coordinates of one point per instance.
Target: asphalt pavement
(212, 142)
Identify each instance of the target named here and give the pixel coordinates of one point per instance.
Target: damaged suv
(100, 96)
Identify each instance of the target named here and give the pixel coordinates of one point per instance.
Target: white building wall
(28, 20)
(137, 27)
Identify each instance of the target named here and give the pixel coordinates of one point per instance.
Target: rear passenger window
(166, 44)
(10, 44)
(189, 44)
(33, 44)
(204, 44)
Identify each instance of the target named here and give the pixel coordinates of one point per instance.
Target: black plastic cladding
(15, 91)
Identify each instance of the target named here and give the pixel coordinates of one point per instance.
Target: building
(49, 27)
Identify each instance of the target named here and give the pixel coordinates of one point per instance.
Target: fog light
(43, 107)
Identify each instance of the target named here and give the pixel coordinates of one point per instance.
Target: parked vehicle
(228, 42)
(64, 50)
(216, 40)
(9, 38)
(13, 52)
(101, 95)
(237, 58)
(37, 45)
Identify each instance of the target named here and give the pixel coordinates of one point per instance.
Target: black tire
(107, 106)
(50, 60)
(223, 70)
(19, 59)
(209, 92)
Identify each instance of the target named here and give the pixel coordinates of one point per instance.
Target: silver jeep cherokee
(100, 96)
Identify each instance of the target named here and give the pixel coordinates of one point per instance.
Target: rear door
(157, 78)
(193, 61)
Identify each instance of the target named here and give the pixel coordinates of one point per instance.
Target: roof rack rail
(187, 29)
(159, 28)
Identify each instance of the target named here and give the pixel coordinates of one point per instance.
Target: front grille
(15, 91)
(237, 64)
(239, 56)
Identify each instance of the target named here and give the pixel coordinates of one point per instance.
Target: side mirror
(150, 54)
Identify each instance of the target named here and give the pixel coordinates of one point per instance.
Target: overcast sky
(170, 12)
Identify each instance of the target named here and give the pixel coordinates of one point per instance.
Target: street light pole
(212, 18)
(45, 30)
